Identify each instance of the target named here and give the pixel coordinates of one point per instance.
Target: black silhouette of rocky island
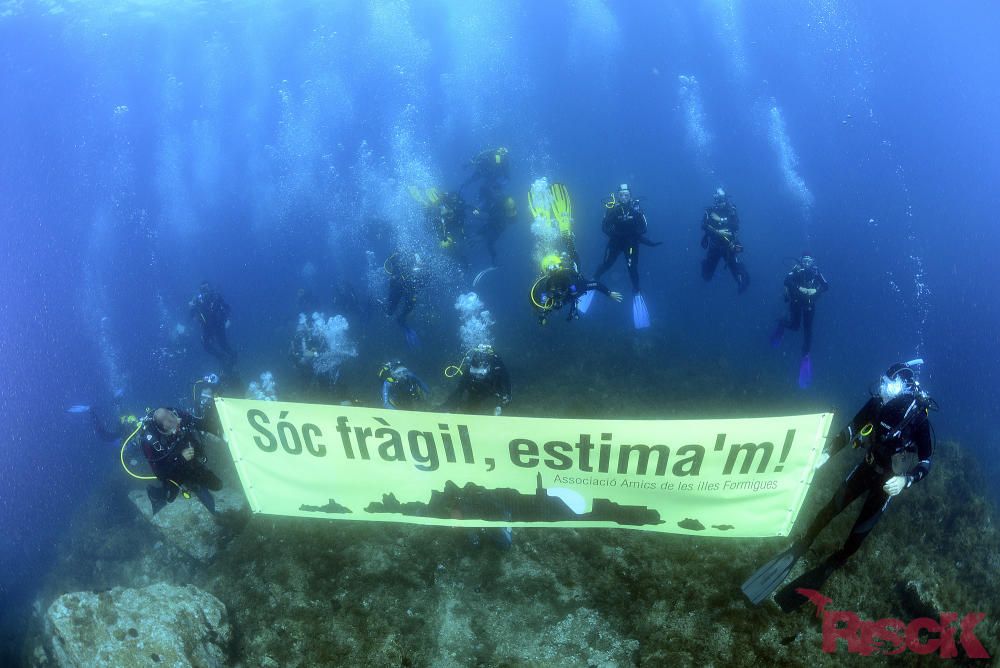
(509, 505)
(331, 507)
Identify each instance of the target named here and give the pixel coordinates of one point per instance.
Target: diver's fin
(790, 600)
(562, 208)
(480, 275)
(805, 372)
(412, 339)
(640, 314)
(417, 195)
(78, 408)
(206, 498)
(769, 577)
(540, 209)
(777, 335)
(584, 301)
(433, 195)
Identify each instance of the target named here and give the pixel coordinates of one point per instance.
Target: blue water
(145, 146)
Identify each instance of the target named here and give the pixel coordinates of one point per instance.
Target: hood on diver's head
(899, 380)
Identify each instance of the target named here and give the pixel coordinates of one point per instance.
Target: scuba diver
(720, 225)
(406, 277)
(483, 384)
(212, 313)
(560, 284)
(803, 285)
(625, 225)
(306, 301)
(496, 212)
(447, 217)
(491, 167)
(401, 388)
(171, 441)
(895, 431)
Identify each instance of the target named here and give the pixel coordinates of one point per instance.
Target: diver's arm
(850, 432)
(922, 438)
(608, 224)
(646, 242)
(597, 285)
(822, 286)
(503, 383)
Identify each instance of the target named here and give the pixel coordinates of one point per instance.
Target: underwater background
(268, 147)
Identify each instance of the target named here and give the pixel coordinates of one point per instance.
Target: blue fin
(805, 372)
(584, 300)
(640, 314)
(480, 275)
(412, 339)
(777, 335)
(78, 408)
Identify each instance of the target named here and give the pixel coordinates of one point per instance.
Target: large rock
(188, 525)
(156, 625)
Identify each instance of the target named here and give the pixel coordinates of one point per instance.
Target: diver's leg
(794, 315)
(611, 252)
(738, 270)
(875, 505)
(409, 303)
(632, 261)
(395, 294)
(710, 262)
(857, 482)
(807, 328)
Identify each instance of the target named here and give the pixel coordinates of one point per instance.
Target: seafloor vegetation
(314, 592)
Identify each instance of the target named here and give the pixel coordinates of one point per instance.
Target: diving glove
(895, 485)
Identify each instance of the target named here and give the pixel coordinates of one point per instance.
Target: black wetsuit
(481, 396)
(404, 391)
(447, 217)
(802, 307)
(495, 217)
(212, 313)
(895, 436)
(164, 454)
(721, 223)
(625, 225)
(561, 287)
(404, 283)
(491, 167)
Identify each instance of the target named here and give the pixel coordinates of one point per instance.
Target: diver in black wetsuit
(491, 167)
(401, 388)
(447, 217)
(625, 224)
(720, 225)
(483, 384)
(562, 284)
(172, 444)
(803, 285)
(496, 212)
(406, 277)
(212, 313)
(895, 432)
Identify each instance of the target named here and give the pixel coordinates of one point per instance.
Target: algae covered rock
(188, 525)
(156, 625)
